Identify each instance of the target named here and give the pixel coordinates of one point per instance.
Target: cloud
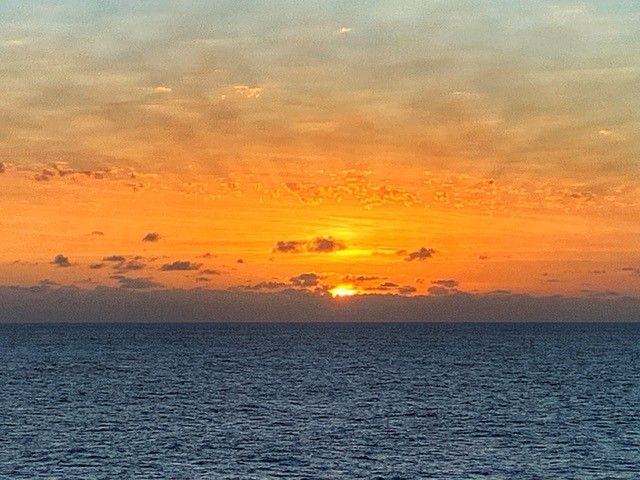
(316, 245)
(97, 233)
(449, 283)
(632, 270)
(599, 293)
(180, 266)
(247, 91)
(151, 237)
(305, 280)
(44, 175)
(114, 258)
(325, 245)
(139, 300)
(3, 167)
(437, 290)
(61, 261)
(210, 271)
(387, 286)
(407, 290)
(139, 283)
(130, 266)
(162, 89)
(290, 246)
(421, 254)
(345, 29)
(96, 266)
(361, 278)
(265, 286)
(443, 287)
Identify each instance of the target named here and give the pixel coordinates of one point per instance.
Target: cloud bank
(135, 303)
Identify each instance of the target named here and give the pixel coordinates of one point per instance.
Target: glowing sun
(343, 291)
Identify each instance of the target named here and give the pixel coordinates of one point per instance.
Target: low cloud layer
(138, 283)
(139, 300)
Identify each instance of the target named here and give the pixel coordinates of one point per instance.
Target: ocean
(321, 401)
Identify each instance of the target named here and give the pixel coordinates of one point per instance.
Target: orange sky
(383, 150)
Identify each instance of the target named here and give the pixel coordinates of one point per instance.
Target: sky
(404, 152)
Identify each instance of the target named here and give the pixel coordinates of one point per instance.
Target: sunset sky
(406, 148)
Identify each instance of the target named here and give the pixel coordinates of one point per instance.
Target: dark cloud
(437, 290)
(599, 293)
(598, 272)
(96, 266)
(130, 266)
(210, 271)
(44, 175)
(265, 286)
(97, 233)
(206, 255)
(140, 283)
(443, 287)
(43, 286)
(449, 283)
(317, 245)
(180, 265)
(140, 301)
(387, 286)
(203, 279)
(361, 278)
(240, 260)
(305, 280)
(632, 270)
(61, 261)
(114, 258)
(151, 237)
(290, 246)
(325, 245)
(421, 254)
(407, 290)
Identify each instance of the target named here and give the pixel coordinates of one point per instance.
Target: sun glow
(343, 291)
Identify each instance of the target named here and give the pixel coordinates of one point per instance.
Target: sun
(343, 291)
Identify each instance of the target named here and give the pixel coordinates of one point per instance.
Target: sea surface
(371, 401)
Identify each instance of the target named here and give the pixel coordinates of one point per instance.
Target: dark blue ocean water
(320, 401)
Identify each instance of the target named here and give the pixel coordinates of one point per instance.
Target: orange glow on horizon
(343, 291)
